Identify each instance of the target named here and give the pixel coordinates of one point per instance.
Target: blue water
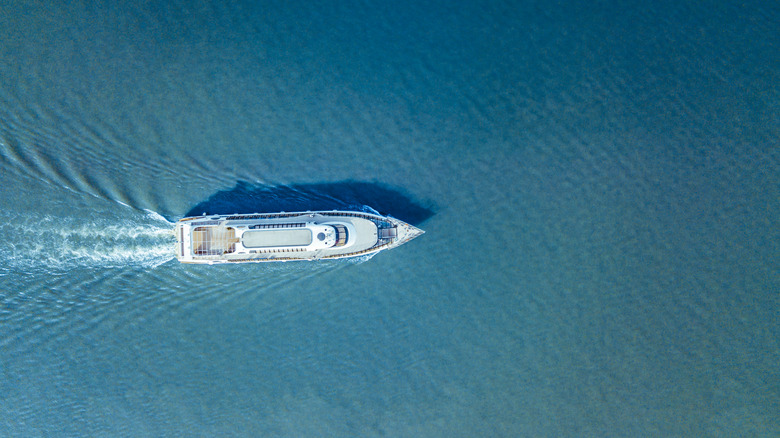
(599, 185)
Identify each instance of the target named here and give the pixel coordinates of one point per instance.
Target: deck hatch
(274, 238)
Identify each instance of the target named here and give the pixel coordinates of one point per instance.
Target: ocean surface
(599, 183)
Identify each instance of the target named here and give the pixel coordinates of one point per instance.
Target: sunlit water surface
(600, 258)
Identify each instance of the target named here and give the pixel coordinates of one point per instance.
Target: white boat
(271, 237)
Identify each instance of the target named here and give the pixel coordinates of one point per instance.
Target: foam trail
(60, 243)
(361, 259)
(368, 209)
(153, 215)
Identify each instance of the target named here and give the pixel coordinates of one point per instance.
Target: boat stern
(183, 243)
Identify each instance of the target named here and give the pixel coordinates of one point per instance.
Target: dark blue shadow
(342, 195)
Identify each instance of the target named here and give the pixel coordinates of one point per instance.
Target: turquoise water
(599, 186)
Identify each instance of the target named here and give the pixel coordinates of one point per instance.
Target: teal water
(601, 186)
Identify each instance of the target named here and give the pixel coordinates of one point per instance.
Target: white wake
(61, 243)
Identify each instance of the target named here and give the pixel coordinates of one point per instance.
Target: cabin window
(341, 235)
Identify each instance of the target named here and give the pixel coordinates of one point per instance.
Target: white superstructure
(266, 237)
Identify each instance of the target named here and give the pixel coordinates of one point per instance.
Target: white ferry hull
(276, 237)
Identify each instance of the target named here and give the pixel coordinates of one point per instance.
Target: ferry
(282, 237)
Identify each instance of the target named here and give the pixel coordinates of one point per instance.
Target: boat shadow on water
(341, 195)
